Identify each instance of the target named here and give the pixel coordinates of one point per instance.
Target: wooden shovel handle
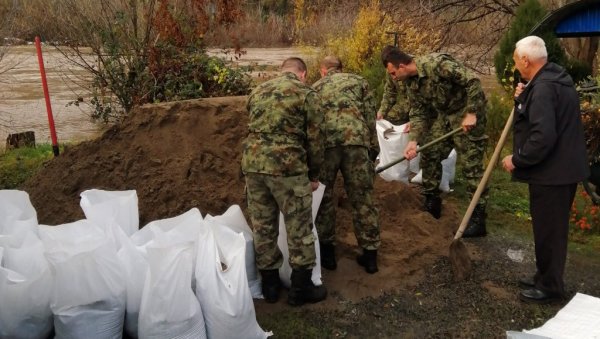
(486, 176)
(419, 149)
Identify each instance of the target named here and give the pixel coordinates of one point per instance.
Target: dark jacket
(548, 144)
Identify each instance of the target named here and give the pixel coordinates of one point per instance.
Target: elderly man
(549, 154)
(349, 111)
(281, 159)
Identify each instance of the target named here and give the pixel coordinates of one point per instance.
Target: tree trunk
(23, 139)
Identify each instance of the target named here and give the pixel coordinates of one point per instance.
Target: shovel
(419, 149)
(459, 256)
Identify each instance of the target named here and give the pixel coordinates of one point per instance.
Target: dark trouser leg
(325, 221)
(550, 208)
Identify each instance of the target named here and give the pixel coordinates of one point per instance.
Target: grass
(17, 165)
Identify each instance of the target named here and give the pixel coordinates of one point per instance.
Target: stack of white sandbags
(182, 277)
(25, 278)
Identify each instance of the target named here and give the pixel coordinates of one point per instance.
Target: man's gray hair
(533, 47)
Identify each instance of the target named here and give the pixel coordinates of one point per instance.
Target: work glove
(373, 153)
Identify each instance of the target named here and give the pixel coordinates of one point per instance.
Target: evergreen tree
(527, 16)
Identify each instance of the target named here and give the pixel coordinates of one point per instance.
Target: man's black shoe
(536, 296)
(526, 283)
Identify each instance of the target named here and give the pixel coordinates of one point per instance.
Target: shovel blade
(460, 260)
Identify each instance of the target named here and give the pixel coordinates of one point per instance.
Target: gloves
(373, 153)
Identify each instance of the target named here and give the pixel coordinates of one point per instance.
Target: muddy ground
(186, 154)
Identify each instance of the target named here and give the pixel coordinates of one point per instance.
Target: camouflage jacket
(394, 104)
(284, 132)
(349, 109)
(442, 86)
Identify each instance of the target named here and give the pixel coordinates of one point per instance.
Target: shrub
(585, 215)
(360, 49)
(528, 14)
(498, 108)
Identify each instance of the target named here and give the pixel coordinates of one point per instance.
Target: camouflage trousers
(358, 173)
(470, 148)
(266, 196)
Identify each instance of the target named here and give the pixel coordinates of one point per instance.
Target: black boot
(328, 256)
(303, 290)
(270, 285)
(476, 226)
(368, 260)
(433, 205)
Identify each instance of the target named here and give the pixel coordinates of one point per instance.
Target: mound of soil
(187, 154)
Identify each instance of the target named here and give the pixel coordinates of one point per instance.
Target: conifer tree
(527, 16)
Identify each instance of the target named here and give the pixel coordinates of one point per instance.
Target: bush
(360, 49)
(498, 110)
(527, 16)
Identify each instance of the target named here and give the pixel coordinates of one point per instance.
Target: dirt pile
(187, 154)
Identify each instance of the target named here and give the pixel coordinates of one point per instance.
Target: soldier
(443, 93)
(350, 144)
(281, 159)
(394, 103)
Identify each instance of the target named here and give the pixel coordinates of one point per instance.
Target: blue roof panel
(586, 22)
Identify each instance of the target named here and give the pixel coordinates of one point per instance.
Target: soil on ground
(186, 154)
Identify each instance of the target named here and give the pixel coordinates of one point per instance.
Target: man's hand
(314, 185)
(410, 152)
(406, 128)
(519, 89)
(508, 164)
(379, 116)
(469, 122)
(373, 153)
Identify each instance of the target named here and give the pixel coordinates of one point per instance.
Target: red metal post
(38, 46)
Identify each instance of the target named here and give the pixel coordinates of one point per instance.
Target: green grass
(508, 212)
(17, 165)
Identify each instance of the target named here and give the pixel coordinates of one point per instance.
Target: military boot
(476, 225)
(328, 256)
(303, 290)
(368, 260)
(270, 285)
(433, 205)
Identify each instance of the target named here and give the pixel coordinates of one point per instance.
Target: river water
(22, 103)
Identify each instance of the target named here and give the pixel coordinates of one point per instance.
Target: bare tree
(470, 28)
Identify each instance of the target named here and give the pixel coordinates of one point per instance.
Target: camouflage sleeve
(369, 115)
(460, 75)
(390, 93)
(315, 137)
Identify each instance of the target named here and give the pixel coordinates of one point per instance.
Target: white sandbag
(133, 256)
(169, 308)
(222, 285)
(392, 141)
(25, 288)
(17, 215)
(235, 220)
(119, 206)
(88, 299)
(448, 172)
(285, 271)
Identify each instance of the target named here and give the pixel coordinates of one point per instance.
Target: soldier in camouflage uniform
(351, 140)
(444, 94)
(281, 159)
(394, 103)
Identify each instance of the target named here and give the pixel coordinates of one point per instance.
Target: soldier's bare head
(330, 63)
(395, 57)
(296, 66)
(398, 64)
